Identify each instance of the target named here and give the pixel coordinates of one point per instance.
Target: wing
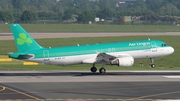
(104, 58)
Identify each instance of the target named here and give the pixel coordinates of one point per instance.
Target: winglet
(22, 39)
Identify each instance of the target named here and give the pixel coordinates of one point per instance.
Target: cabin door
(153, 47)
(46, 55)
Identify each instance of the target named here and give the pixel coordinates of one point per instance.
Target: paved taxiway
(86, 86)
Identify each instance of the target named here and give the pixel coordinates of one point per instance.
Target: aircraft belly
(40, 60)
(70, 60)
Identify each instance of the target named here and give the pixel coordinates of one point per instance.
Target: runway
(86, 86)
(87, 76)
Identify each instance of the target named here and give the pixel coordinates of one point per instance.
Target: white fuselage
(78, 59)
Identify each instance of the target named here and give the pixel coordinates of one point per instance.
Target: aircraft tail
(22, 39)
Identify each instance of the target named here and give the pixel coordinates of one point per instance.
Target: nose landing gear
(152, 63)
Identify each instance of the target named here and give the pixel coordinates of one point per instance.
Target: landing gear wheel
(102, 70)
(153, 65)
(93, 69)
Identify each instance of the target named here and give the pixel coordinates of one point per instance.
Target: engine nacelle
(124, 61)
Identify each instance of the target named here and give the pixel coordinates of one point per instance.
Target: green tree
(17, 15)
(107, 4)
(29, 16)
(100, 8)
(6, 16)
(43, 15)
(119, 20)
(154, 4)
(18, 4)
(1, 16)
(6, 5)
(60, 16)
(175, 3)
(83, 4)
(105, 14)
(67, 14)
(66, 4)
(169, 9)
(139, 9)
(52, 15)
(85, 17)
(76, 10)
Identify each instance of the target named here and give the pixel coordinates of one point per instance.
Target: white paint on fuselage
(137, 54)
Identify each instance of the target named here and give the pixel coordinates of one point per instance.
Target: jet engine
(123, 62)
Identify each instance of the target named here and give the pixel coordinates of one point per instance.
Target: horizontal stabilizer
(21, 56)
(25, 56)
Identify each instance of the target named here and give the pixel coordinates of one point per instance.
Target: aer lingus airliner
(117, 53)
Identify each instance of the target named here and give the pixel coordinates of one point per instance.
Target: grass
(167, 62)
(92, 28)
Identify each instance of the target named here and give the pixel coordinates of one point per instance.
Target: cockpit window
(163, 45)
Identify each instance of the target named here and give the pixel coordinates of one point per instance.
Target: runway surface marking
(92, 100)
(17, 91)
(107, 89)
(142, 98)
(175, 77)
(153, 95)
(3, 88)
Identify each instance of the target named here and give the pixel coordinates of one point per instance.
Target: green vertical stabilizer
(22, 39)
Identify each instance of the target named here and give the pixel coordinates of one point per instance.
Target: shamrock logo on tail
(23, 39)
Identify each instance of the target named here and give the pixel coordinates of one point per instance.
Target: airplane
(121, 54)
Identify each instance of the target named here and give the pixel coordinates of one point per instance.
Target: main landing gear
(93, 69)
(101, 70)
(152, 63)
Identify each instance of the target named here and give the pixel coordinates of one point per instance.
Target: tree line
(84, 11)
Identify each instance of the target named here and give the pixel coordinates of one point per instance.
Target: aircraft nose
(171, 50)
